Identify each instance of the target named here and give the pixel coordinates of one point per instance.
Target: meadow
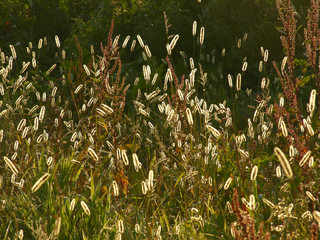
(101, 146)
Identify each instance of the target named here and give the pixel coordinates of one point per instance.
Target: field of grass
(91, 149)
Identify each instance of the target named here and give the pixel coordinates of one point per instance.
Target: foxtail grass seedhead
(120, 227)
(174, 42)
(86, 69)
(201, 35)
(244, 66)
(72, 204)
(125, 42)
(189, 116)
(93, 154)
(214, 131)
(194, 28)
(309, 194)
(284, 162)
(316, 215)
(140, 41)
(85, 208)
(56, 38)
(51, 69)
(11, 165)
(238, 83)
(268, 203)
(115, 188)
(40, 182)
(305, 158)
(227, 184)
(254, 173)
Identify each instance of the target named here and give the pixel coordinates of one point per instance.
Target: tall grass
(89, 151)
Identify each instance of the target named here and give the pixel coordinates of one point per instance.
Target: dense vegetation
(199, 123)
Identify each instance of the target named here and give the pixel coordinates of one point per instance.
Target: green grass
(119, 158)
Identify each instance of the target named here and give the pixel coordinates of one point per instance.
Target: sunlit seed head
(148, 52)
(56, 38)
(40, 182)
(283, 64)
(85, 208)
(254, 173)
(144, 187)
(120, 227)
(244, 66)
(51, 69)
(284, 162)
(115, 188)
(86, 69)
(238, 83)
(125, 42)
(133, 44)
(13, 51)
(194, 28)
(173, 42)
(140, 41)
(93, 154)
(227, 184)
(265, 55)
(201, 35)
(268, 203)
(316, 215)
(230, 81)
(309, 194)
(239, 43)
(10, 165)
(305, 158)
